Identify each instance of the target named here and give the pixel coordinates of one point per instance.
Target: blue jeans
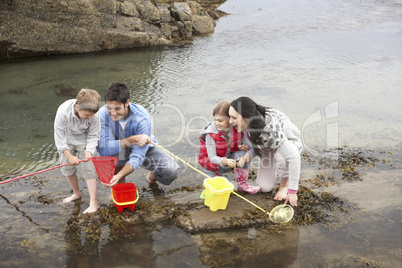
(163, 164)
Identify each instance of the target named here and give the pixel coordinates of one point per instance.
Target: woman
(276, 140)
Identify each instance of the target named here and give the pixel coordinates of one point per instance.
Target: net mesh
(281, 214)
(104, 166)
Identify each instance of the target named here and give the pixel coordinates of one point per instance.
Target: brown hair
(88, 100)
(222, 109)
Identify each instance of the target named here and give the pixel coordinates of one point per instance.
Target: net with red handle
(104, 166)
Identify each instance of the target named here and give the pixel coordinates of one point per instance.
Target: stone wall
(51, 27)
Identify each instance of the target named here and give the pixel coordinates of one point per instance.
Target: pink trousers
(272, 165)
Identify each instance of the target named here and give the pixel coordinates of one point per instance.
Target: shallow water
(334, 67)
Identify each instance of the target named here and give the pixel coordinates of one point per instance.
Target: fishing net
(281, 214)
(104, 166)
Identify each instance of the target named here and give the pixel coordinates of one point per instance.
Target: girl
(219, 148)
(276, 140)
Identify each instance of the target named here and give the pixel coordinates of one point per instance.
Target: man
(126, 134)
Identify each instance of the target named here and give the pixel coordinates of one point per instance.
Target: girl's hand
(242, 147)
(229, 162)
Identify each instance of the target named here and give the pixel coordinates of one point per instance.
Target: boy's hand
(73, 160)
(88, 155)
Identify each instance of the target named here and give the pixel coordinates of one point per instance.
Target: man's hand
(143, 139)
(126, 170)
(140, 140)
(113, 181)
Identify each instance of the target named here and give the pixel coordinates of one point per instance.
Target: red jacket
(221, 148)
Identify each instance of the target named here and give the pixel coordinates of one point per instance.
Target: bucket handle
(125, 203)
(202, 196)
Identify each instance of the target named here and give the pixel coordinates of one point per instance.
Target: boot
(241, 178)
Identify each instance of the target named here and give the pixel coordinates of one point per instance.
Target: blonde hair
(222, 109)
(88, 100)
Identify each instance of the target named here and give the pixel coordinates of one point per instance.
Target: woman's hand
(242, 160)
(292, 198)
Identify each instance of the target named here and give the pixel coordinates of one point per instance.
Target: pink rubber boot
(241, 178)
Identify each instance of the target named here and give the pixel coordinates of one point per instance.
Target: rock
(181, 11)
(203, 25)
(35, 28)
(164, 13)
(197, 9)
(148, 11)
(128, 9)
(115, 39)
(237, 214)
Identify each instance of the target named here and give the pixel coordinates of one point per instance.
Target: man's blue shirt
(137, 122)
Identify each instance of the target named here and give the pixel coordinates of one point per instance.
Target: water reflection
(175, 248)
(28, 105)
(253, 247)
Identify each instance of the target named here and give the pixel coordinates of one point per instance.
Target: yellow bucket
(216, 193)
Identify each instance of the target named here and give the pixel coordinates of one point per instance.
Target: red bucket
(125, 195)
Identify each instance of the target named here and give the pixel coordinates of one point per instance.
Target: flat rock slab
(238, 213)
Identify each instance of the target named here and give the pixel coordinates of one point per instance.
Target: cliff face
(51, 27)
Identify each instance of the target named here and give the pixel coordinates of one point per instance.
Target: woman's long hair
(255, 114)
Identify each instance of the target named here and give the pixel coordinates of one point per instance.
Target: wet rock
(45, 200)
(32, 28)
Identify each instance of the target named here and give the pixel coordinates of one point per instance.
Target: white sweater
(290, 148)
(70, 129)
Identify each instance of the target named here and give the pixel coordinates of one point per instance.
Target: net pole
(207, 176)
(178, 158)
(250, 202)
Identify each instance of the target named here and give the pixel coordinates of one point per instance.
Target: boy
(76, 129)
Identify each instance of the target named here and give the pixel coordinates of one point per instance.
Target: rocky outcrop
(51, 27)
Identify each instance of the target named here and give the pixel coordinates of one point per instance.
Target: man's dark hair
(117, 92)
